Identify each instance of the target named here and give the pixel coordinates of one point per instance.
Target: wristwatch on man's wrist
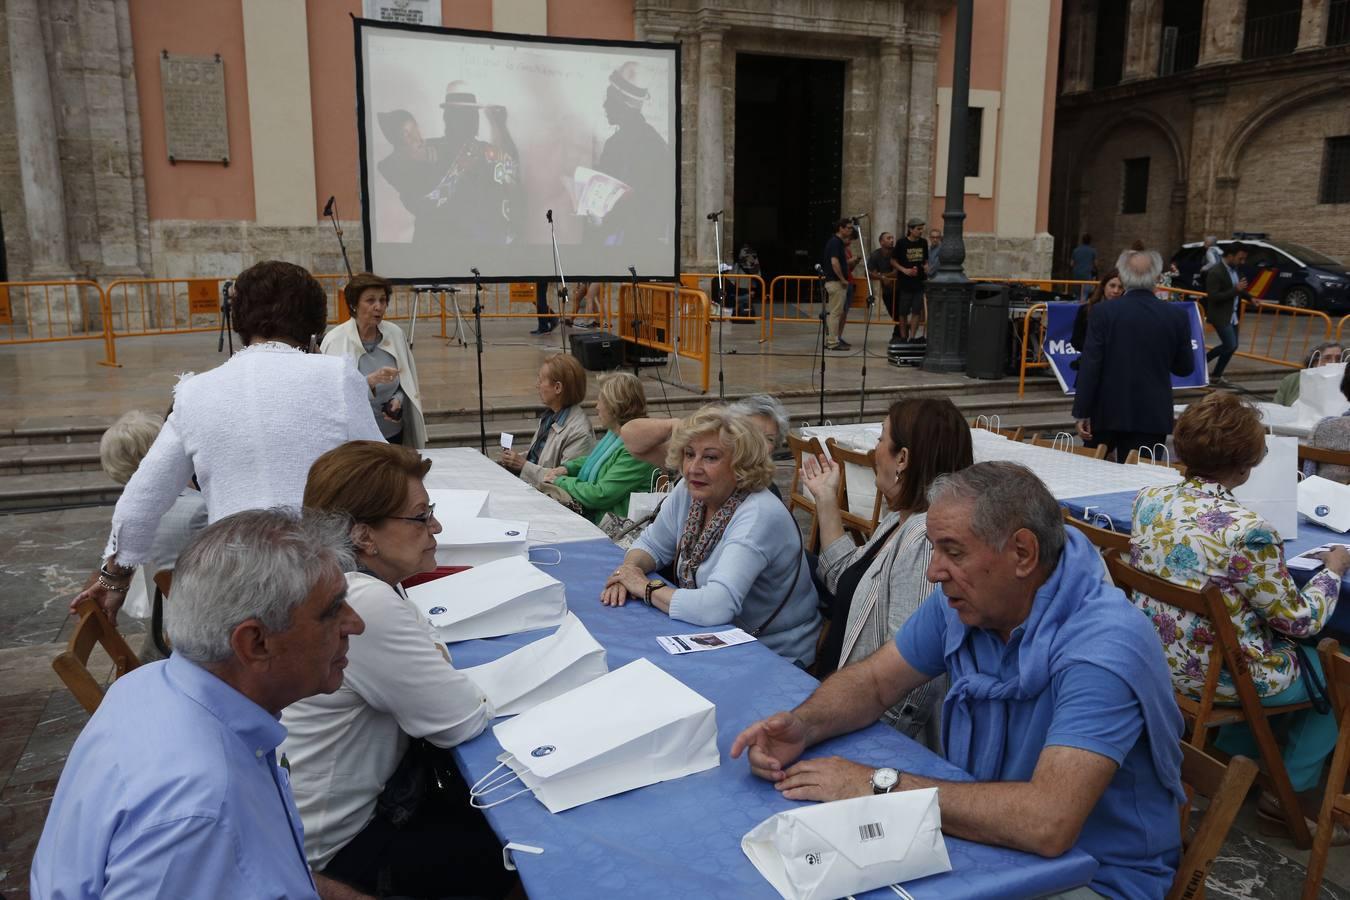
(654, 585)
(884, 780)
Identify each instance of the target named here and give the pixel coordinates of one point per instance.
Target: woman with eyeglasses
(346, 748)
(249, 429)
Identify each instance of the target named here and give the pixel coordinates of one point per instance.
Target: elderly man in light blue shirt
(174, 788)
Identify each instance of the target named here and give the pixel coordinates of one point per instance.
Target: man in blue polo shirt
(174, 789)
(1063, 749)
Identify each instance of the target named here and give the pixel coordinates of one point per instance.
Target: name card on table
(473, 542)
(500, 597)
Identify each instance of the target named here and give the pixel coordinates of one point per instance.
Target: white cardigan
(249, 429)
(344, 746)
(345, 340)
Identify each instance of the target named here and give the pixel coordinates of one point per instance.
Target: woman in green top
(602, 480)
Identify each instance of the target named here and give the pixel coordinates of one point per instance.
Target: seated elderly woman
(1195, 533)
(879, 585)
(601, 481)
(564, 431)
(401, 698)
(383, 356)
(247, 430)
(735, 549)
(1325, 354)
(1332, 433)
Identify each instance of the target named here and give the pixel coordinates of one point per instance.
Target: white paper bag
(850, 846)
(642, 504)
(456, 504)
(501, 597)
(633, 727)
(1272, 489)
(518, 681)
(1326, 502)
(471, 541)
(1319, 393)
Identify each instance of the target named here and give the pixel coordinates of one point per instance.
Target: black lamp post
(949, 290)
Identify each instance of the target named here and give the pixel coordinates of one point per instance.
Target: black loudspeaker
(638, 355)
(597, 351)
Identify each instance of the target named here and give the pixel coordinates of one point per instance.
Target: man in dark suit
(1223, 287)
(1134, 345)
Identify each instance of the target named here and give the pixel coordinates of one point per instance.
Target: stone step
(38, 459)
(56, 490)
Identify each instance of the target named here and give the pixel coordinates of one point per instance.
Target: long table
(681, 838)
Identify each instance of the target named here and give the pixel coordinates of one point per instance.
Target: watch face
(885, 779)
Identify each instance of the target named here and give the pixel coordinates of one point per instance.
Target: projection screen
(468, 139)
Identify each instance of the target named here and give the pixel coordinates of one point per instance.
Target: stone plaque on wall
(194, 107)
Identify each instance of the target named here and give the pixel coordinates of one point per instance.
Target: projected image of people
(528, 130)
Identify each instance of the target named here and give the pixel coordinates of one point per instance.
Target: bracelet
(117, 576)
(110, 587)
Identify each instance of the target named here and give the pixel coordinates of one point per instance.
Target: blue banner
(1061, 353)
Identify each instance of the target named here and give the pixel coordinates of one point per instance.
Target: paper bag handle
(481, 790)
(548, 549)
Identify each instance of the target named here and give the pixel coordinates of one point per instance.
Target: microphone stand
(562, 280)
(867, 324)
(637, 321)
(330, 210)
(478, 345)
(824, 304)
(722, 302)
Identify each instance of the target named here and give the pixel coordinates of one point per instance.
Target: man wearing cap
(637, 155)
(910, 258)
(479, 183)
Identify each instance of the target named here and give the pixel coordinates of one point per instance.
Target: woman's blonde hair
(126, 442)
(750, 460)
(623, 394)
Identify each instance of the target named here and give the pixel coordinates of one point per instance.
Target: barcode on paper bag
(870, 832)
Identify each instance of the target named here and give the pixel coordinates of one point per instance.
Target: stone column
(886, 143)
(922, 126)
(712, 161)
(1312, 25)
(35, 134)
(1080, 43)
(1221, 32)
(1208, 137)
(1143, 40)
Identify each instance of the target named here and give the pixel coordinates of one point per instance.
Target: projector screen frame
(358, 24)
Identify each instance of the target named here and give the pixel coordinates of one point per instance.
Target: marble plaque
(407, 12)
(194, 108)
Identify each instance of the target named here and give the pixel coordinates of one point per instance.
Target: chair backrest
(861, 523)
(1102, 538)
(1336, 801)
(798, 498)
(1225, 786)
(1309, 453)
(1336, 670)
(1134, 459)
(72, 665)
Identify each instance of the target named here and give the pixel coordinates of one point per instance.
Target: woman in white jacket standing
(249, 429)
(383, 357)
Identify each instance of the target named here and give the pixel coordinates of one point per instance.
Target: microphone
(858, 216)
(632, 270)
(712, 216)
(328, 207)
(476, 273)
(549, 215)
(820, 271)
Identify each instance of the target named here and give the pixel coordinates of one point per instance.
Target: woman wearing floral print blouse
(1195, 532)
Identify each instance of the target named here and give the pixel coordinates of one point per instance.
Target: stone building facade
(87, 188)
(1240, 127)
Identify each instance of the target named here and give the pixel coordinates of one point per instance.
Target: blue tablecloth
(1118, 507)
(682, 838)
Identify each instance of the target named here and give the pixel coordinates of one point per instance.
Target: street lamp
(949, 290)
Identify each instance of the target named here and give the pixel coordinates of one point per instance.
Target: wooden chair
(1097, 452)
(1134, 459)
(1225, 786)
(163, 581)
(73, 664)
(859, 524)
(1336, 804)
(1224, 653)
(1104, 539)
(1309, 453)
(1012, 434)
(798, 498)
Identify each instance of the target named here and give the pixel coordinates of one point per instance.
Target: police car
(1277, 271)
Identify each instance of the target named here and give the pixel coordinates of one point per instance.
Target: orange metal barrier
(1339, 326)
(787, 293)
(1037, 313)
(39, 312)
(734, 283)
(1304, 328)
(669, 319)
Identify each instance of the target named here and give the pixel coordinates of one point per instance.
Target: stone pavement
(46, 556)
